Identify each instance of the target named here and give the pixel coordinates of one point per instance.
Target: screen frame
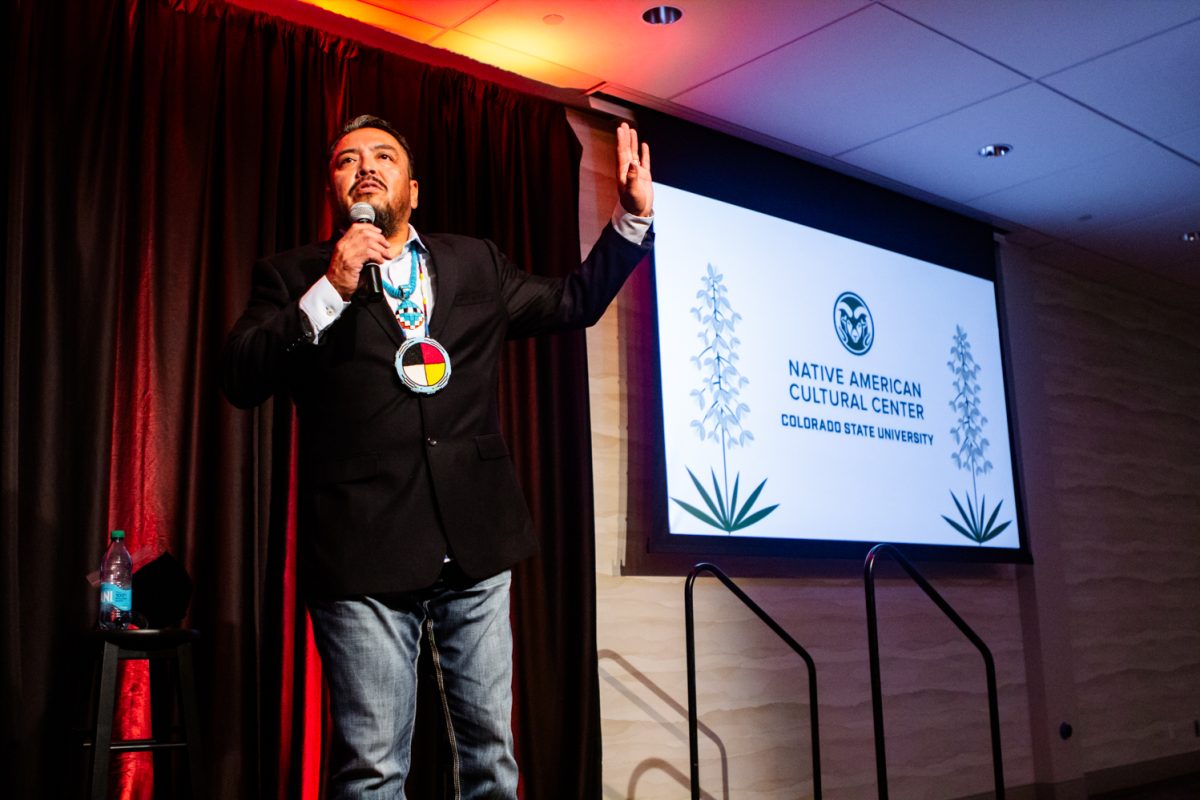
(828, 201)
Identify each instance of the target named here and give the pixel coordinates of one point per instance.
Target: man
(409, 510)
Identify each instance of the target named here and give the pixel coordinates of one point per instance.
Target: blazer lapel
(381, 310)
(444, 279)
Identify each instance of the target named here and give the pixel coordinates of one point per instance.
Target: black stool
(167, 645)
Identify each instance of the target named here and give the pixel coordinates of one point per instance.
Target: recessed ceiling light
(662, 15)
(553, 19)
(1191, 236)
(995, 150)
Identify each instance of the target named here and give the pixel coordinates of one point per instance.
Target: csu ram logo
(853, 323)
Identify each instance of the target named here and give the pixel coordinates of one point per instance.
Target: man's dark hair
(379, 123)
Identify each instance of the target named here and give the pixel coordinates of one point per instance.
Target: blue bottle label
(111, 594)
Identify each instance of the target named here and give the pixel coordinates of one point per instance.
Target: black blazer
(390, 482)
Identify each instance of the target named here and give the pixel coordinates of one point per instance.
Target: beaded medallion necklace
(410, 315)
(421, 362)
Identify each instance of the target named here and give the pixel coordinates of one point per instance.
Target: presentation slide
(818, 388)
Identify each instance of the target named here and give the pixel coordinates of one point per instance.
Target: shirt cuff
(322, 305)
(631, 227)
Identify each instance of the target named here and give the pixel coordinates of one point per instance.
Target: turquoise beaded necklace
(410, 315)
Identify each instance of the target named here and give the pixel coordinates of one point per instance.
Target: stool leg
(191, 721)
(163, 693)
(102, 734)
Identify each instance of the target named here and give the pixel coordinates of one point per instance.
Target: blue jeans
(369, 648)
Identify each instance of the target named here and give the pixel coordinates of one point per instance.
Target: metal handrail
(693, 736)
(876, 686)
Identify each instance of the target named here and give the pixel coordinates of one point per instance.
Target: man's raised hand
(635, 187)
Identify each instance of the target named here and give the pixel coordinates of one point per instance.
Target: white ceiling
(1100, 99)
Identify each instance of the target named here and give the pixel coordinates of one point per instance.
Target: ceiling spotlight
(662, 15)
(995, 150)
(1191, 236)
(553, 19)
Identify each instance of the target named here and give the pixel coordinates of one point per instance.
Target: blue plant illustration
(722, 413)
(976, 524)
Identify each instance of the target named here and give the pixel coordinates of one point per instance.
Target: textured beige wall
(1122, 379)
(1126, 495)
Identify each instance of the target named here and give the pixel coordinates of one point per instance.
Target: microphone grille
(362, 212)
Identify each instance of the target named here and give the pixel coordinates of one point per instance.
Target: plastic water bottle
(116, 585)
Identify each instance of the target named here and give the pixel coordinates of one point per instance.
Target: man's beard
(387, 220)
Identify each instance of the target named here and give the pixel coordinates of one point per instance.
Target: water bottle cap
(118, 534)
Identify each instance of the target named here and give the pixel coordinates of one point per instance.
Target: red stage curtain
(152, 150)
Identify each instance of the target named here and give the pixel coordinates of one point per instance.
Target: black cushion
(162, 591)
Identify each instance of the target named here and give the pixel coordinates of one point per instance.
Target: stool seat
(148, 639)
(168, 645)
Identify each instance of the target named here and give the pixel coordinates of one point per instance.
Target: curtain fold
(156, 149)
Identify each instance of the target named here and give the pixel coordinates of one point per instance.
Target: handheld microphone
(363, 212)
